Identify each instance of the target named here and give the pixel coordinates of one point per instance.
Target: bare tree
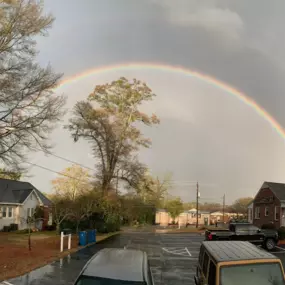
(83, 207)
(28, 107)
(61, 210)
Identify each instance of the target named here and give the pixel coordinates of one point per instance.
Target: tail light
(210, 237)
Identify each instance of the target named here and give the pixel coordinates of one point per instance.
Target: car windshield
(251, 274)
(87, 280)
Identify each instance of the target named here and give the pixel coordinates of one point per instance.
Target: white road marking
(6, 283)
(188, 251)
(177, 251)
(283, 250)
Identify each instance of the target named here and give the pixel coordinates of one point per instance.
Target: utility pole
(224, 201)
(197, 204)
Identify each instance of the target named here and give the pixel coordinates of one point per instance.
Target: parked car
(245, 232)
(235, 263)
(113, 266)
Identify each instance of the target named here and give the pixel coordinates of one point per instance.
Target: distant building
(268, 206)
(163, 218)
(218, 216)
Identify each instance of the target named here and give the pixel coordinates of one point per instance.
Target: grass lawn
(16, 259)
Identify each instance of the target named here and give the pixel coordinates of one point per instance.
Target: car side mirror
(259, 230)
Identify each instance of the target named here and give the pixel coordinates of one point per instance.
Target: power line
(54, 171)
(63, 158)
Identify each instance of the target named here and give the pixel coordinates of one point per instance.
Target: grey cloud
(109, 32)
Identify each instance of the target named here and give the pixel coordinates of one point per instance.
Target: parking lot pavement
(172, 258)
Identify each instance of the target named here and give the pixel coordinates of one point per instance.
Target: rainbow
(186, 72)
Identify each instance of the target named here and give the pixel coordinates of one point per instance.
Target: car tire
(270, 244)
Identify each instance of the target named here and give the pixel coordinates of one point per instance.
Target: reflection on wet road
(172, 257)
(65, 270)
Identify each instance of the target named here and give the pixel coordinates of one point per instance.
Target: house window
(10, 212)
(4, 212)
(28, 212)
(257, 213)
(32, 212)
(266, 212)
(276, 213)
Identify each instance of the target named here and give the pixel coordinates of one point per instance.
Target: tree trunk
(29, 240)
(58, 228)
(77, 226)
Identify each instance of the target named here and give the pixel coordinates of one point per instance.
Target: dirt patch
(16, 259)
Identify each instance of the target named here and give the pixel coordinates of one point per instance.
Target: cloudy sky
(206, 134)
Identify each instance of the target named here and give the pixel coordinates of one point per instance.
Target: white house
(18, 201)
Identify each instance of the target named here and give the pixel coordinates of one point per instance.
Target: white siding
(31, 203)
(6, 221)
(250, 213)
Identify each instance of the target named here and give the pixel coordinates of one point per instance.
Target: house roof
(12, 191)
(278, 189)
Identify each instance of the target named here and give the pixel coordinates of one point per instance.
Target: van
(237, 263)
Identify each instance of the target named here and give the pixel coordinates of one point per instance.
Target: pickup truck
(245, 232)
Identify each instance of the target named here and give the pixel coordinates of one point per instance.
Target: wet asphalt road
(172, 257)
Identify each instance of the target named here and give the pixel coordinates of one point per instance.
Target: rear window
(87, 280)
(249, 274)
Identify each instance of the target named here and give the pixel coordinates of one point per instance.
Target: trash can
(82, 238)
(91, 234)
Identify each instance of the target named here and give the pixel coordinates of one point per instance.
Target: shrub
(268, 226)
(50, 228)
(281, 233)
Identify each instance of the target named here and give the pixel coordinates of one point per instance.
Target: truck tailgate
(217, 234)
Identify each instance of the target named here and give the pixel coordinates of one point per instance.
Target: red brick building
(269, 205)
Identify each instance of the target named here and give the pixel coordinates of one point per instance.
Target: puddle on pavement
(62, 271)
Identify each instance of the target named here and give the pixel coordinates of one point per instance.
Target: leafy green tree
(174, 207)
(240, 205)
(154, 190)
(72, 182)
(112, 125)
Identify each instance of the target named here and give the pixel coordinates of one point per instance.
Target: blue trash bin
(82, 238)
(94, 235)
(89, 236)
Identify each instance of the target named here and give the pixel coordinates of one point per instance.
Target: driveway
(173, 259)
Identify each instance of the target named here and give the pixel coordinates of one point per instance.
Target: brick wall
(266, 201)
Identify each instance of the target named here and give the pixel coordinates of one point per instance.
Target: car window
(242, 228)
(248, 274)
(253, 228)
(205, 263)
(87, 280)
(212, 274)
